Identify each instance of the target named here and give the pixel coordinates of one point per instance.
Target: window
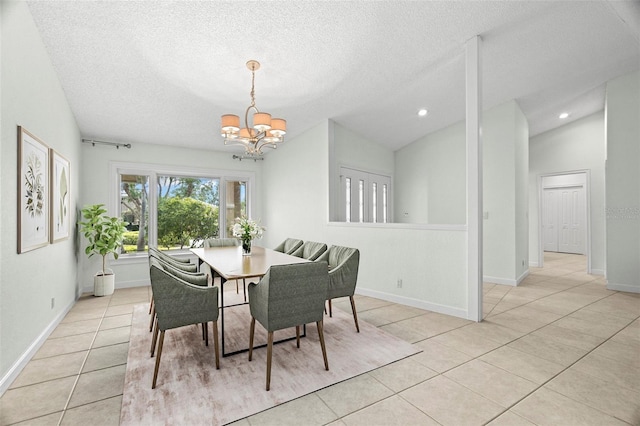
(188, 211)
(372, 195)
(134, 211)
(236, 202)
(177, 209)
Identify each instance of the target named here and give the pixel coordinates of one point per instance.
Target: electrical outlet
(399, 283)
(53, 302)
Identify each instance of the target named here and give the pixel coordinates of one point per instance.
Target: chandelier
(265, 132)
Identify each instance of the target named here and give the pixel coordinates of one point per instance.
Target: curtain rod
(116, 144)
(247, 157)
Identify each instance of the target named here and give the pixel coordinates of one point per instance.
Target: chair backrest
(343, 270)
(221, 242)
(310, 250)
(178, 264)
(289, 245)
(179, 303)
(195, 278)
(290, 295)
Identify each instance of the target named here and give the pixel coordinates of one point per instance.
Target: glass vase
(246, 247)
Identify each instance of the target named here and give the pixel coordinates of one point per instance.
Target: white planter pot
(104, 285)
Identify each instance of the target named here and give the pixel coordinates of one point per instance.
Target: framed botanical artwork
(33, 192)
(60, 198)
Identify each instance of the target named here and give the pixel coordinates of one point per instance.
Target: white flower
(247, 229)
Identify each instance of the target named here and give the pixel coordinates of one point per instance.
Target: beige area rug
(190, 391)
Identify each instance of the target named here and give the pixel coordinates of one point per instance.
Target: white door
(564, 219)
(572, 220)
(364, 196)
(550, 220)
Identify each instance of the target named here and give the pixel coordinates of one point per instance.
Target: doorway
(564, 215)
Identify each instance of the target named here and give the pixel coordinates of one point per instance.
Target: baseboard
(120, 284)
(597, 272)
(421, 304)
(533, 264)
(623, 287)
(503, 281)
(21, 362)
(522, 276)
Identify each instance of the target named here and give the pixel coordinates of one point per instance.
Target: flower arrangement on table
(246, 230)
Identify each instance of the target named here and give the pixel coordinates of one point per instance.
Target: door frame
(587, 190)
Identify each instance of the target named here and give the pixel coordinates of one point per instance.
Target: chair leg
(151, 304)
(251, 331)
(203, 332)
(216, 345)
(355, 314)
(155, 371)
(269, 355)
(205, 325)
(154, 338)
(244, 289)
(153, 316)
(330, 309)
(324, 349)
(298, 336)
(237, 289)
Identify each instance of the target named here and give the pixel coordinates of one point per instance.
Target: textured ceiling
(164, 72)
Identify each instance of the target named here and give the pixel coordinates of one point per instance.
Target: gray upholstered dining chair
(343, 274)
(221, 242)
(183, 264)
(178, 304)
(310, 250)
(226, 242)
(195, 278)
(288, 296)
(288, 246)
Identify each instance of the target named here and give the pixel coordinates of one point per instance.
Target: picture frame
(33, 192)
(60, 197)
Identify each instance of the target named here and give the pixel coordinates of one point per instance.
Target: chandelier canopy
(265, 131)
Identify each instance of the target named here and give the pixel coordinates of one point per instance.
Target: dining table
(229, 263)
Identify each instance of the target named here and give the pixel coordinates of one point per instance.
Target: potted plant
(105, 235)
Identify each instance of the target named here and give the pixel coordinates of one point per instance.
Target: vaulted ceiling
(165, 71)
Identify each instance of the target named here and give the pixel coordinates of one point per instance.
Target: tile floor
(559, 349)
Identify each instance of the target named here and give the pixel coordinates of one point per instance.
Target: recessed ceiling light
(423, 112)
(563, 115)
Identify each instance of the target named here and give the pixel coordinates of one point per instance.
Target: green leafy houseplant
(104, 234)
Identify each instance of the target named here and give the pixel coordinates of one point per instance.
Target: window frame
(153, 171)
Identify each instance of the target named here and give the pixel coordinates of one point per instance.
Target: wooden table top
(229, 263)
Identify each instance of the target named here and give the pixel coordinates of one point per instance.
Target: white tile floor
(559, 349)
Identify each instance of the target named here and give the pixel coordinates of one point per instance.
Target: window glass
(188, 211)
(348, 200)
(236, 202)
(134, 211)
(361, 201)
(374, 200)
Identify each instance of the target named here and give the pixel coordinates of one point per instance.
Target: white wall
(505, 136)
(576, 146)
(430, 186)
(31, 97)
(353, 151)
(430, 179)
(96, 183)
(429, 260)
(623, 183)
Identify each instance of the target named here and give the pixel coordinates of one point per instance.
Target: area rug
(190, 391)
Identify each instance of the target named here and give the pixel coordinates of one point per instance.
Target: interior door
(549, 219)
(572, 221)
(564, 219)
